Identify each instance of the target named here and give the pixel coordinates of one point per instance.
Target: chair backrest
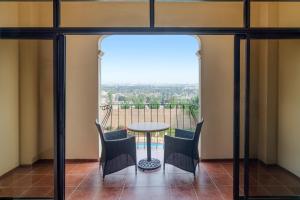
(197, 135)
(100, 131)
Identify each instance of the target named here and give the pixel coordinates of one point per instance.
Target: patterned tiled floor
(213, 181)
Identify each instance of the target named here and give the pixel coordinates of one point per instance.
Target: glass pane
(274, 130)
(25, 14)
(275, 14)
(105, 14)
(26, 119)
(199, 14)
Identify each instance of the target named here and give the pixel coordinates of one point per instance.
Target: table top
(147, 127)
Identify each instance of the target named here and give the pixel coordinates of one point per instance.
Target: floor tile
(73, 180)
(212, 181)
(146, 193)
(258, 191)
(183, 193)
(149, 180)
(222, 179)
(208, 192)
(279, 191)
(38, 192)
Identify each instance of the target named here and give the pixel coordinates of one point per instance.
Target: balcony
(119, 116)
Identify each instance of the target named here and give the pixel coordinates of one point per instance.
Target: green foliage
(154, 102)
(138, 101)
(125, 105)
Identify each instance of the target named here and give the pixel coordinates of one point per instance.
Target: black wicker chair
(118, 150)
(182, 150)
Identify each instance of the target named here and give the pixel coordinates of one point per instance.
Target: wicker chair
(182, 150)
(118, 151)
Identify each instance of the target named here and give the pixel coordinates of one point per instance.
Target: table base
(144, 164)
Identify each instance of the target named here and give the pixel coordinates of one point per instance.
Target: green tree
(125, 105)
(154, 102)
(139, 101)
(172, 103)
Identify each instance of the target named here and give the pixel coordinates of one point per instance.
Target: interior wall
(199, 14)
(9, 105)
(288, 105)
(9, 92)
(46, 103)
(9, 14)
(105, 14)
(217, 96)
(29, 101)
(288, 98)
(82, 97)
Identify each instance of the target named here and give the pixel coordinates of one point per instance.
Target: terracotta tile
(181, 180)
(295, 189)
(226, 192)
(82, 168)
(84, 194)
(69, 191)
(10, 180)
(73, 180)
(213, 180)
(91, 181)
(109, 193)
(279, 191)
(42, 169)
(208, 192)
(146, 193)
(150, 180)
(38, 192)
(213, 168)
(12, 192)
(228, 168)
(202, 179)
(252, 181)
(286, 178)
(109, 181)
(258, 191)
(28, 180)
(22, 170)
(183, 193)
(45, 181)
(222, 179)
(267, 180)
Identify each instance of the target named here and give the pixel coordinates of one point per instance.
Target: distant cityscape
(138, 94)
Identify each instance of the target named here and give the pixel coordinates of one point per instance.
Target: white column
(198, 53)
(100, 54)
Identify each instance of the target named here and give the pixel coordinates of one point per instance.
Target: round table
(148, 128)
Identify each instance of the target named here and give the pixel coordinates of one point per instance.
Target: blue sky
(146, 59)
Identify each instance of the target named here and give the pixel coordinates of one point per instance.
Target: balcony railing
(118, 116)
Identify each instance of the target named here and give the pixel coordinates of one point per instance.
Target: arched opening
(176, 69)
(197, 53)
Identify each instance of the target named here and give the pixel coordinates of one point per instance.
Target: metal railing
(118, 116)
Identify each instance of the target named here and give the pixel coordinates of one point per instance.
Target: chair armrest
(118, 147)
(184, 134)
(115, 135)
(178, 145)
